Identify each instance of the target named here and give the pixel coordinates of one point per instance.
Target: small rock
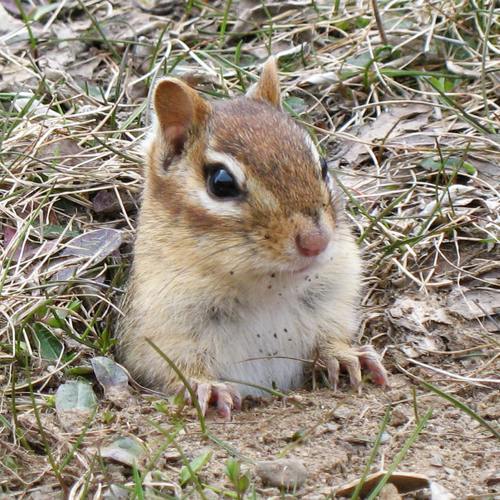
(439, 492)
(389, 492)
(398, 418)
(342, 413)
(331, 427)
(283, 473)
(172, 456)
(436, 460)
(385, 438)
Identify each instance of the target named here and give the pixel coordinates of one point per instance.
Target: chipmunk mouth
(304, 266)
(303, 269)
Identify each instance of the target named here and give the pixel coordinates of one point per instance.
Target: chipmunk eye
(324, 168)
(221, 183)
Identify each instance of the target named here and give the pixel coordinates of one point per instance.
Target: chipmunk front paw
(224, 397)
(353, 359)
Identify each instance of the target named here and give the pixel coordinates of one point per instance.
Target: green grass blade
(187, 385)
(400, 456)
(463, 407)
(373, 454)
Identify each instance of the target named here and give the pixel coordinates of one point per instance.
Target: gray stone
(285, 473)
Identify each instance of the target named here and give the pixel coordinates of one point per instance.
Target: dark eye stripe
(324, 168)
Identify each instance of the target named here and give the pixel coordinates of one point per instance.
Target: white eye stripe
(329, 183)
(233, 165)
(313, 148)
(218, 207)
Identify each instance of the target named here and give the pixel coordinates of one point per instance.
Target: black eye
(221, 183)
(324, 168)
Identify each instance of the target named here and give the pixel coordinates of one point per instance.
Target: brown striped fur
(207, 272)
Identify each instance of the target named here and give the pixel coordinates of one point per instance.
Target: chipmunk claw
(224, 397)
(353, 360)
(371, 361)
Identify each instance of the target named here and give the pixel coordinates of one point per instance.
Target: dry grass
(407, 112)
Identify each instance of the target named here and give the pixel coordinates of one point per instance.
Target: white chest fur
(265, 341)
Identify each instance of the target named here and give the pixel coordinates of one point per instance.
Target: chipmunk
(244, 264)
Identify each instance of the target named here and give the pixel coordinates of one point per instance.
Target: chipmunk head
(240, 178)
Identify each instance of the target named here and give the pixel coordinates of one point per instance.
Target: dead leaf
(27, 102)
(487, 168)
(386, 126)
(116, 492)
(126, 450)
(10, 6)
(75, 402)
(157, 7)
(455, 196)
(84, 69)
(94, 246)
(326, 78)
(404, 482)
(414, 313)
(252, 17)
(26, 250)
(107, 202)
(474, 303)
(64, 53)
(13, 76)
(8, 235)
(113, 378)
(279, 48)
(60, 151)
(196, 77)
(84, 251)
(65, 272)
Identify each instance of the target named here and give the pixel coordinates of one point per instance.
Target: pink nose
(312, 243)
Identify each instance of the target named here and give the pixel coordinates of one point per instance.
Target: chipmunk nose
(312, 243)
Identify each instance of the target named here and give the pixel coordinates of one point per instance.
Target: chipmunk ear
(179, 110)
(268, 87)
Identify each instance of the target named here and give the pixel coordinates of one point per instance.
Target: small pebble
(398, 418)
(286, 473)
(385, 437)
(389, 492)
(436, 460)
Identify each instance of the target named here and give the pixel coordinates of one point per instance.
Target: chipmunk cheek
(275, 238)
(327, 212)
